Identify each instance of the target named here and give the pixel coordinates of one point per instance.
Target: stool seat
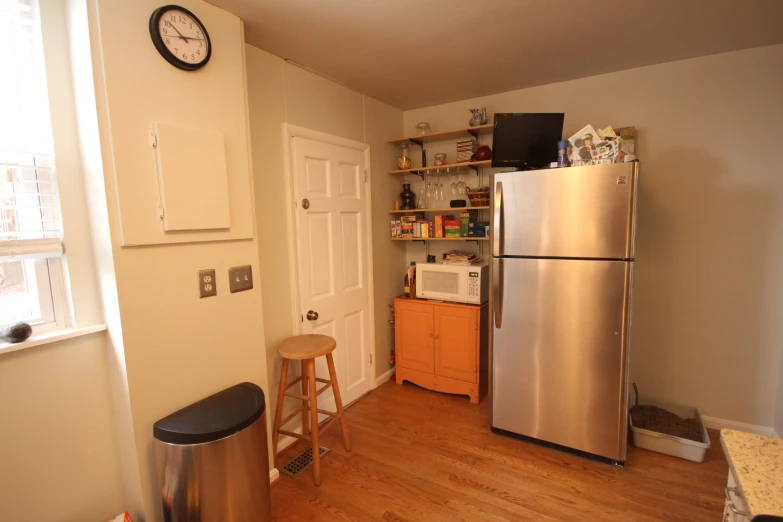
(307, 346)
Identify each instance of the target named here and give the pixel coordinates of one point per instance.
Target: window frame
(43, 257)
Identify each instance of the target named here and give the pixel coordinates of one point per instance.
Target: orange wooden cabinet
(442, 346)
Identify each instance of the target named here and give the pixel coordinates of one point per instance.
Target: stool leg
(280, 399)
(305, 404)
(338, 401)
(314, 422)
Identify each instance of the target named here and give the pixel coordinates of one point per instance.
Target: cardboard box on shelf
(464, 220)
(425, 229)
(407, 225)
(394, 230)
(477, 229)
(452, 228)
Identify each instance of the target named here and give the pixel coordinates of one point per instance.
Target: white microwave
(458, 283)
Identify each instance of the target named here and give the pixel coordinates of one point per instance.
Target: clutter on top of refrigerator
(597, 147)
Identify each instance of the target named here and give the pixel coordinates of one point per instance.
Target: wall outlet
(207, 286)
(240, 278)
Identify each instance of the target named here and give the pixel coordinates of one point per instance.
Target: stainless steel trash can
(213, 464)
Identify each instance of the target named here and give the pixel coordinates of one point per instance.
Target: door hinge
(153, 140)
(365, 175)
(301, 317)
(370, 359)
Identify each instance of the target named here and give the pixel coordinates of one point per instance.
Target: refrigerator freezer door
(579, 212)
(560, 356)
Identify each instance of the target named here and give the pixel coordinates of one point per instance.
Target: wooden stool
(306, 348)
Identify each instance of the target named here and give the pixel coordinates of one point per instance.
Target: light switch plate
(240, 278)
(207, 286)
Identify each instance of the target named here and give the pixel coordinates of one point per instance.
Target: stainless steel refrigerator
(562, 285)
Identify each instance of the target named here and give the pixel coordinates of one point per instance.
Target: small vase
(479, 116)
(408, 197)
(483, 153)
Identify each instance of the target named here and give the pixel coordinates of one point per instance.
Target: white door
(333, 259)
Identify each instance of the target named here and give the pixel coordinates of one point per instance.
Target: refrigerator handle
(498, 220)
(497, 290)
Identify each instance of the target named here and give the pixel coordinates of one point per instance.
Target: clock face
(180, 37)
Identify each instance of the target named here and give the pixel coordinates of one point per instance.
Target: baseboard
(274, 474)
(775, 433)
(719, 424)
(384, 377)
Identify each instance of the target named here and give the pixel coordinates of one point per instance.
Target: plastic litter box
(669, 444)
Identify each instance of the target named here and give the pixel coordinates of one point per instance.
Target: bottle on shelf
(407, 196)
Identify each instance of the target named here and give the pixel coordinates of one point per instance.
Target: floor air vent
(302, 461)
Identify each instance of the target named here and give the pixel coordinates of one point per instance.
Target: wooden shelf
(422, 210)
(447, 135)
(475, 165)
(440, 238)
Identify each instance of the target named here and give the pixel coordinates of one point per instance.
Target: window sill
(50, 337)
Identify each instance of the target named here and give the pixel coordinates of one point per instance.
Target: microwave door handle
(497, 290)
(497, 227)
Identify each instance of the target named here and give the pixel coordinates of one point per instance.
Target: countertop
(757, 464)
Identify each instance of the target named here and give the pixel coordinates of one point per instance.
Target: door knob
(312, 316)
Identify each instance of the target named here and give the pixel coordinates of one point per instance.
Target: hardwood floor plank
(420, 455)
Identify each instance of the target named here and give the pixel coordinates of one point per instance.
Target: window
(31, 284)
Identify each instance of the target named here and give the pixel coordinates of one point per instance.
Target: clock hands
(183, 37)
(180, 34)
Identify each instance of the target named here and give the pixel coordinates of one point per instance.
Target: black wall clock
(180, 37)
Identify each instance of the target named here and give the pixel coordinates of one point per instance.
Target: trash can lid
(213, 418)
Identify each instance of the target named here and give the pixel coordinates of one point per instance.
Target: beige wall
(778, 423)
(280, 93)
(86, 122)
(59, 457)
(384, 123)
(58, 454)
(709, 271)
(175, 347)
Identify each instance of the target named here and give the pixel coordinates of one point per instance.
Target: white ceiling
(416, 53)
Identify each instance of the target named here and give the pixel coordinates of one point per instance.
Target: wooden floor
(423, 456)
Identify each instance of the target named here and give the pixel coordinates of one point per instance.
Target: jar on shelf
(423, 128)
(440, 159)
(404, 156)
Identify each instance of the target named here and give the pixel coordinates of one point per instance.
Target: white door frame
(293, 131)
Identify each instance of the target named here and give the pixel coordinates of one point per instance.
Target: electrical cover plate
(207, 286)
(240, 278)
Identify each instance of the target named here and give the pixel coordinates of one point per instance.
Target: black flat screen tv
(526, 140)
